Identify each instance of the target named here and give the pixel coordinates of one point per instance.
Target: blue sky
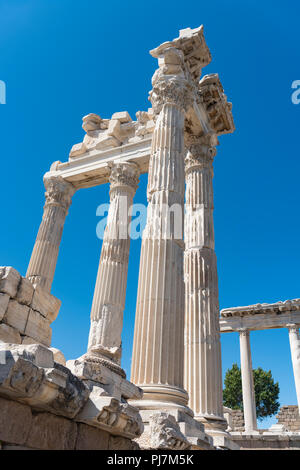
(62, 59)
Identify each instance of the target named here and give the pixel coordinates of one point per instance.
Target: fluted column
(110, 290)
(249, 404)
(295, 353)
(157, 361)
(44, 256)
(203, 368)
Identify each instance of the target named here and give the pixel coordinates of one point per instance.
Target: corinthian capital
(58, 192)
(201, 151)
(171, 82)
(124, 175)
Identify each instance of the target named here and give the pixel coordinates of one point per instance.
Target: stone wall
(235, 419)
(22, 428)
(289, 417)
(26, 310)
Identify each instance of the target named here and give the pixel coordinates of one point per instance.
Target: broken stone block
(114, 129)
(38, 328)
(91, 122)
(38, 354)
(122, 116)
(4, 299)
(58, 356)
(16, 315)
(25, 292)
(45, 303)
(77, 150)
(106, 141)
(8, 334)
(9, 280)
(15, 422)
(50, 432)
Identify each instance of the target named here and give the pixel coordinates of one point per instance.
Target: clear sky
(63, 59)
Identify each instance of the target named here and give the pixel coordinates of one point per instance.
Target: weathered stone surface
(50, 432)
(90, 438)
(28, 340)
(288, 416)
(16, 315)
(165, 433)
(8, 334)
(35, 353)
(25, 292)
(15, 422)
(72, 396)
(122, 116)
(58, 356)
(20, 376)
(38, 328)
(9, 280)
(121, 443)
(45, 303)
(4, 299)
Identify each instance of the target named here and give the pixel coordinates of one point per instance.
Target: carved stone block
(16, 315)
(9, 280)
(50, 432)
(15, 422)
(4, 299)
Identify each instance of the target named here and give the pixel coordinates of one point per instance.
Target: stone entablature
(259, 309)
(260, 316)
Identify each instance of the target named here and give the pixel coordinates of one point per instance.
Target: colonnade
(176, 354)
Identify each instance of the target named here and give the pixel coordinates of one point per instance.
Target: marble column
(247, 382)
(157, 361)
(110, 290)
(44, 256)
(295, 353)
(203, 368)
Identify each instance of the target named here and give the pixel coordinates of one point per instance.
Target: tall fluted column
(157, 361)
(203, 368)
(295, 353)
(44, 256)
(247, 382)
(110, 290)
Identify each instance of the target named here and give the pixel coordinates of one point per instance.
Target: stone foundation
(43, 405)
(23, 428)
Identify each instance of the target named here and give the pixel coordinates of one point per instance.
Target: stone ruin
(174, 397)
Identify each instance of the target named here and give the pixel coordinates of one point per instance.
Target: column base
(215, 426)
(94, 357)
(212, 422)
(162, 398)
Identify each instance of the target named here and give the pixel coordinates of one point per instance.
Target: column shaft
(44, 256)
(203, 368)
(157, 362)
(110, 290)
(247, 383)
(295, 354)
